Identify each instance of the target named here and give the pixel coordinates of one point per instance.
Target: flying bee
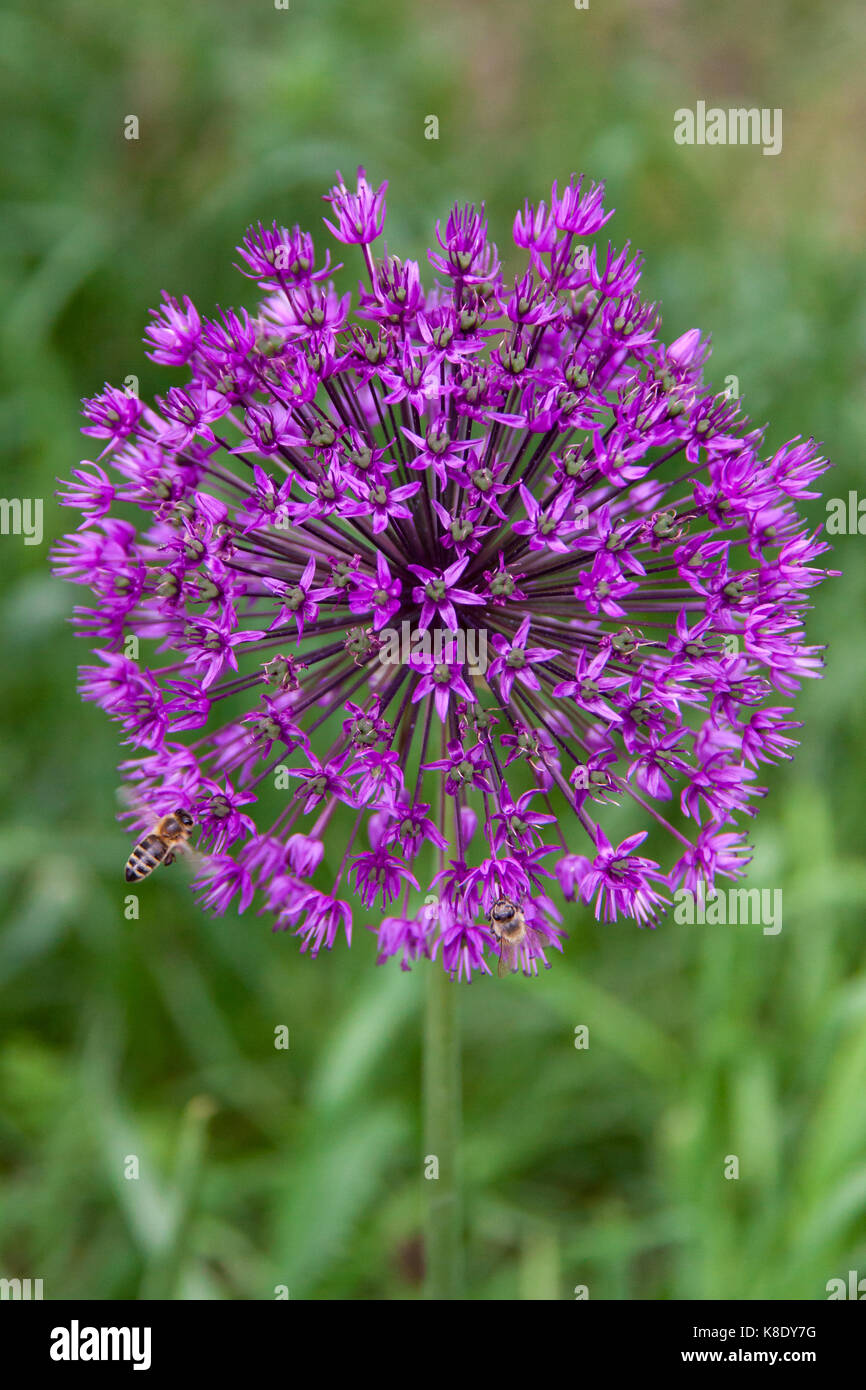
(508, 925)
(160, 845)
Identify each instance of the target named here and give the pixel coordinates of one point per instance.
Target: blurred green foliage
(303, 1167)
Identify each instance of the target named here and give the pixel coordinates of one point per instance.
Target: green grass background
(303, 1168)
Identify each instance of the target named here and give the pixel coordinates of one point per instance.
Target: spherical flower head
(453, 572)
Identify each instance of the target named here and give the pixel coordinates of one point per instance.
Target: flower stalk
(442, 1136)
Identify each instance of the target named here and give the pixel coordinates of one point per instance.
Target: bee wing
(134, 812)
(508, 956)
(194, 858)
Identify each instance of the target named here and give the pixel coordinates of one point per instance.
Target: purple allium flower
(522, 461)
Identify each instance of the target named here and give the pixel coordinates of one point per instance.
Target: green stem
(442, 1107)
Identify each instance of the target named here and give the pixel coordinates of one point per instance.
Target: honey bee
(160, 845)
(508, 925)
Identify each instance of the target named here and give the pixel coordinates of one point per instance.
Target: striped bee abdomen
(144, 858)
